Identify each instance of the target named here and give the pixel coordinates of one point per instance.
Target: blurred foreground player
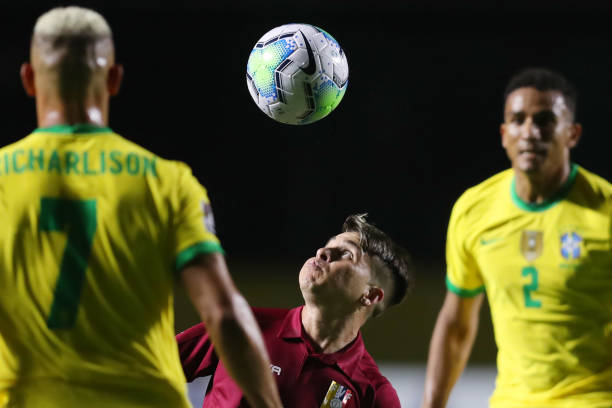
(318, 356)
(537, 238)
(95, 231)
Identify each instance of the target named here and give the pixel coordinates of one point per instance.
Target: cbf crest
(571, 245)
(337, 396)
(531, 244)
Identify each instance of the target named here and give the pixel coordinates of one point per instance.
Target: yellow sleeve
(193, 223)
(462, 274)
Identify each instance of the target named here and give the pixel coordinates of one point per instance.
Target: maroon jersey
(305, 378)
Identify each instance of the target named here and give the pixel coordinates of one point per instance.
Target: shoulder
(263, 316)
(191, 333)
(592, 190)
(485, 190)
(270, 317)
(25, 141)
(484, 193)
(369, 368)
(384, 393)
(166, 166)
(386, 397)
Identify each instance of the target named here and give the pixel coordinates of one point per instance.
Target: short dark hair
(397, 259)
(544, 79)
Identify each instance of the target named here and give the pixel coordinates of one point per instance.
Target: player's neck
(329, 330)
(538, 188)
(51, 110)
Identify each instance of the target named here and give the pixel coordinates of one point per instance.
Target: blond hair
(71, 22)
(72, 44)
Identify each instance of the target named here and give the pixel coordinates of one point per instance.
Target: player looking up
(95, 231)
(537, 239)
(317, 354)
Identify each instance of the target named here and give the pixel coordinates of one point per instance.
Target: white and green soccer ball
(297, 73)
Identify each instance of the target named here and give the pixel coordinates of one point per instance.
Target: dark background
(418, 125)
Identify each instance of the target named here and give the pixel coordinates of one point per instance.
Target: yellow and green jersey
(94, 229)
(547, 272)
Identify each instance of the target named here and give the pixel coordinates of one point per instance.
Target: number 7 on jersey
(78, 219)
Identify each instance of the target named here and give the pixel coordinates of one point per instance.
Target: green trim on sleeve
(545, 205)
(203, 247)
(79, 128)
(463, 292)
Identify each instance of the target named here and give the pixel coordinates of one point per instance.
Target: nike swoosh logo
(312, 65)
(489, 241)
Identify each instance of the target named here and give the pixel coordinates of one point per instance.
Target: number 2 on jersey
(527, 289)
(78, 219)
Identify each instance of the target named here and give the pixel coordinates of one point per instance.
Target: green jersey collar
(79, 128)
(545, 205)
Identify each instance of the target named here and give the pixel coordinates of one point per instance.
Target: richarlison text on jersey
(79, 163)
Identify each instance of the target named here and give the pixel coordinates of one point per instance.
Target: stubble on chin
(308, 278)
(529, 167)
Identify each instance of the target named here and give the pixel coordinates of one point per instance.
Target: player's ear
(372, 296)
(27, 78)
(574, 136)
(113, 81)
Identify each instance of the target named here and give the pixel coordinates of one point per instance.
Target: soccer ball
(297, 73)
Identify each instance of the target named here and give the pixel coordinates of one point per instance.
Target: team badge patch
(209, 220)
(337, 396)
(570, 245)
(531, 244)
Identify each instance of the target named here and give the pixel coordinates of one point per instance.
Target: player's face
(538, 131)
(340, 271)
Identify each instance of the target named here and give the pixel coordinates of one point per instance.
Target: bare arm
(232, 328)
(450, 347)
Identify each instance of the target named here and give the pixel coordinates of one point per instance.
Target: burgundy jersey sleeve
(386, 397)
(197, 355)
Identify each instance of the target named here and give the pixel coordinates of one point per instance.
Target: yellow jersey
(547, 272)
(94, 230)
